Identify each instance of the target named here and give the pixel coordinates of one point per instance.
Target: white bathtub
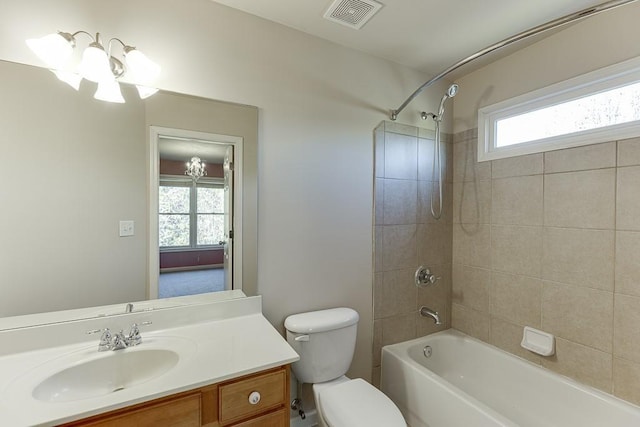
(467, 383)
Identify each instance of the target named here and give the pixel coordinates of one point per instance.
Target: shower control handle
(424, 276)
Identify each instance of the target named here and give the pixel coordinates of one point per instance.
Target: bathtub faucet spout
(427, 312)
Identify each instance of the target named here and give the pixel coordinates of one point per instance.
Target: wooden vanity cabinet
(226, 404)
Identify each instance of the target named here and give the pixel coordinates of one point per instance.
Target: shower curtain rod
(590, 11)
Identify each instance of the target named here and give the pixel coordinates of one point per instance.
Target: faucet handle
(105, 338)
(134, 337)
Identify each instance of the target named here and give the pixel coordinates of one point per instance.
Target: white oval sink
(109, 372)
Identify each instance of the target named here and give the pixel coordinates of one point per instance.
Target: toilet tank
(325, 341)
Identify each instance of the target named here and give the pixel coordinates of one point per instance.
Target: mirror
(74, 168)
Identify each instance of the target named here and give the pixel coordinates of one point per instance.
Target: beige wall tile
(627, 270)
(517, 299)
(426, 325)
(398, 328)
(377, 248)
(580, 199)
(424, 202)
(427, 133)
(471, 322)
(628, 199)
(472, 244)
(517, 200)
(375, 376)
(398, 247)
(626, 342)
(629, 152)
(400, 201)
(379, 201)
(531, 164)
(472, 202)
(434, 244)
(377, 342)
(595, 156)
(580, 257)
(465, 135)
(585, 364)
(426, 155)
(397, 293)
(379, 151)
(471, 287)
(508, 337)
(399, 128)
(437, 297)
(626, 380)
(400, 156)
(378, 278)
(465, 166)
(578, 314)
(516, 249)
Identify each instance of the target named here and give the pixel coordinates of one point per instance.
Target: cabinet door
(179, 412)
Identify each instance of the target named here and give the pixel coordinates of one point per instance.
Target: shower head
(451, 92)
(453, 89)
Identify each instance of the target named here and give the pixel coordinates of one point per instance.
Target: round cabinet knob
(254, 398)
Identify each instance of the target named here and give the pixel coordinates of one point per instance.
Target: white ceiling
(427, 35)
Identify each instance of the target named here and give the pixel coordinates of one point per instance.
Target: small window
(597, 107)
(191, 215)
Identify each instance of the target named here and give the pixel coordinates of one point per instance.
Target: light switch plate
(126, 228)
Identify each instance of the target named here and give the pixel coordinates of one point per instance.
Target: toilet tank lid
(321, 321)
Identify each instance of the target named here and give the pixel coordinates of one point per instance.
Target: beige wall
(407, 236)
(551, 240)
(319, 103)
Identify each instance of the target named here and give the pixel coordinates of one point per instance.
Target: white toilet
(325, 341)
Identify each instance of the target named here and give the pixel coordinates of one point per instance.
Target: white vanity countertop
(214, 351)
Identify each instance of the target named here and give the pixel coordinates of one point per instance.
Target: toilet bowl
(325, 341)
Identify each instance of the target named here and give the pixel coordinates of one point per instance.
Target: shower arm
(584, 13)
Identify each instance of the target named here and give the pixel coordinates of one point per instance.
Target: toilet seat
(356, 403)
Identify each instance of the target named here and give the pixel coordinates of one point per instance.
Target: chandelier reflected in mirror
(97, 64)
(196, 169)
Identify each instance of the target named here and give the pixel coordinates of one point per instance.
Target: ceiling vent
(352, 13)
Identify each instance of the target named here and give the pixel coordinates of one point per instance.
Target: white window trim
(620, 74)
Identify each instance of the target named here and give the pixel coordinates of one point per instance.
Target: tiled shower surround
(552, 241)
(406, 235)
(546, 240)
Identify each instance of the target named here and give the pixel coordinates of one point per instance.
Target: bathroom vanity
(217, 363)
(224, 404)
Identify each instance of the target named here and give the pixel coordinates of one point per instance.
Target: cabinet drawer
(180, 412)
(234, 397)
(273, 419)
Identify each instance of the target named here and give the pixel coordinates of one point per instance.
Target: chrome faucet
(427, 312)
(119, 341)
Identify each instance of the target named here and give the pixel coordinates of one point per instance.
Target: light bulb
(143, 69)
(53, 49)
(95, 64)
(109, 91)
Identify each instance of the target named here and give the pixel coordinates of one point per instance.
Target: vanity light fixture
(97, 64)
(195, 169)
